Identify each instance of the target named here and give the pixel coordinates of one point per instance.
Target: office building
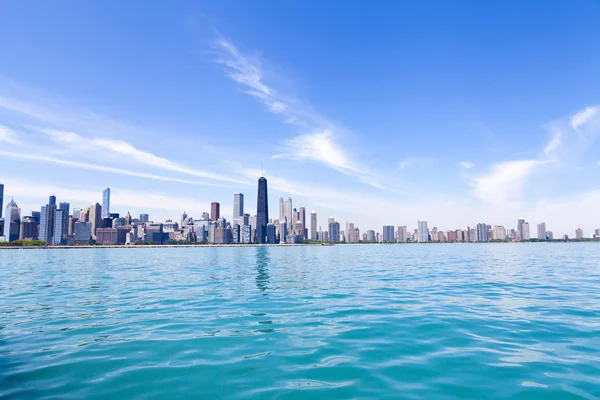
(83, 232)
(313, 226)
(246, 234)
(106, 203)
(402, 234)
(499, 232)
(61, 226)
(520, 224)
(283, 232)
(1, 199)
(238, 207)
(482, 233)
(334, 232)
(215, 211)
(370, 236)
(95, 218)
(525, 235)
(541, 231)
(388, 233)
(262, 211)
(144, 218)
(271, 234)
(12, 221)
(422, 231)
(29, 229)
(578, 233)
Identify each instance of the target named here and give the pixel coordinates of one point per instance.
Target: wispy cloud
(317, 139)
(126, 149)
(101, 168)
(8, 136)
(505, 181)
(413, 162)
(583, 117)
(466, 164)
(554, 142)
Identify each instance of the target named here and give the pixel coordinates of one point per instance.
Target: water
(357, 321)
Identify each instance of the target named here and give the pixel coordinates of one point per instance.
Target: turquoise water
(358, 321)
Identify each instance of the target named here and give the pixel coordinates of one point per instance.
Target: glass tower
(262, 211)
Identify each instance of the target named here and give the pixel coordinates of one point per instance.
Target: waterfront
(370, 321)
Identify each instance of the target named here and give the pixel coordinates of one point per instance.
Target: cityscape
(57, 225)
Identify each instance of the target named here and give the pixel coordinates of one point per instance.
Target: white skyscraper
(106, 203)
(287, 212)
(541, 228)
(423, 231)
(313, 226)
(526, 235)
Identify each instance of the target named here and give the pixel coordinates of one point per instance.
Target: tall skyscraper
(525, 228)
(64, 207)
(287, 211)
(541, 231)
(61, 220)
(334, 232)
(238, 207)
(95, 218)
(578, 233)
(215, 211)
(423, 231)
(106, 203)
(520, 224)
(499, 232)
(482, 233)
(1, 198)
(302, 219)
(47, 220)
(183, 221)
(262, 210)
(12, 221)
(313, 226)
(388, 233)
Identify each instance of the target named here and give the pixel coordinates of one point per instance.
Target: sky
(376, 113)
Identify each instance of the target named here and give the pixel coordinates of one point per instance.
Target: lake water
(431, 321)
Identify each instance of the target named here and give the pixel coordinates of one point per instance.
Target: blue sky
(371, 113)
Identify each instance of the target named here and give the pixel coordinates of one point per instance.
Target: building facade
(262, 211)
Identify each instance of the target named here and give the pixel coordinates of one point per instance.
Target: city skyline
(57, 226)
(493, 129)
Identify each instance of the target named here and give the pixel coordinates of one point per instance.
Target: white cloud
(101, 168)
(505, 181)
(466, 164)
(413, 162)
(554, 142)
(126, 149)
(583, 117)
(8, 136)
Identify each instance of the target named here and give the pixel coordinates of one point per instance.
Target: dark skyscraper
(262, 211)
(1, 198)
(215, 211)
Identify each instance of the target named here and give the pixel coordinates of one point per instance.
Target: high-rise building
(423, 232)
(47, 220)
(271, 233)
(402, 235)
(578, 233)
(215, 211)
(1, 198)
(388, 233)
(313, 226)
(287, 212)
(95, 218)
(597, 234)
(525, 235)
(302, 219)
(262, 210)
(29, 229)
(61, 221)
(334, 232)
(370, 236)
(12, 221)
(541, 231)
(183, 221)
(106, 203)
(499, 232)
(281, 211)
(482, 233)
(283, 231)
(520, 224)
(144, 218)
(238, 207)
(83, 232)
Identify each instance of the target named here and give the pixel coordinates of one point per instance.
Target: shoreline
(162, 246)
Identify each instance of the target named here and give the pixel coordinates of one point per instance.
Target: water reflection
(262, 270)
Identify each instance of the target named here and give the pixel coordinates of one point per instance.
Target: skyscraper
(1, 198)
(12, 221)
(61, 220)
(47, 220)
(106, 203)
(520, 224)
(302, 219)
(262, 210)
(215, 211)
(95, 218)
(578, 233)
(402, 235)
(281, 211)
(388, 233)
(144, 218)
(334, 232)
(525, 228)
(423, 231)
(482, 233)
(541, 231)
(287, 211)
(238, 207)
(184, 218)
(313, 226)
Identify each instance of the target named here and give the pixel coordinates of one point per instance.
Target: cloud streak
(8, 136)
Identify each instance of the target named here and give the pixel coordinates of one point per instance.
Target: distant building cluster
(58, 224)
